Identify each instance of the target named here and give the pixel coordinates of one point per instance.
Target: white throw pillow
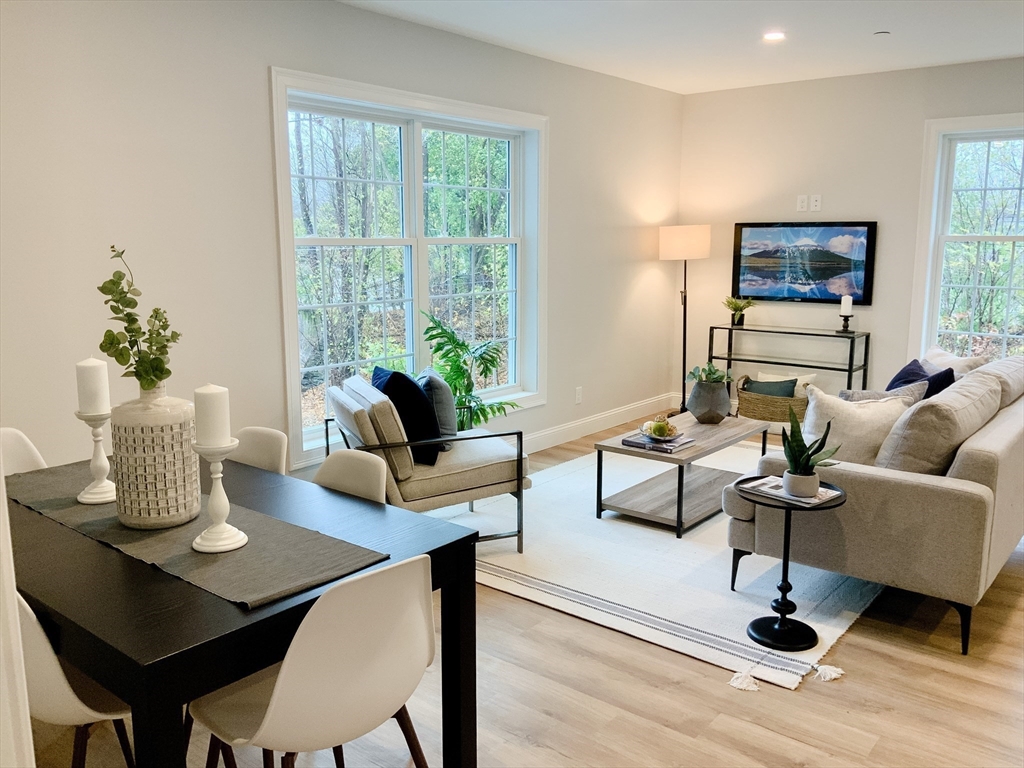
(943, 359)
(859, 429)
(802, 382)
(1009, 372)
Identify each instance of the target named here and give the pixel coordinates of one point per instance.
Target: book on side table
(640, 440)
(770, 487)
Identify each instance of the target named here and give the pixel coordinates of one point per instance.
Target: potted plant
(737, 307)
(709, 399)
(801, 479)
(460, 363)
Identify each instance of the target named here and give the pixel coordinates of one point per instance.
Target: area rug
(638, 578)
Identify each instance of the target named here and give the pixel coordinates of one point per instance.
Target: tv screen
(811, 261)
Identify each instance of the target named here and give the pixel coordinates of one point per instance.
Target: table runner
(280, 559)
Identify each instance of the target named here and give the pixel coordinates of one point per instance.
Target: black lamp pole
(682, 300)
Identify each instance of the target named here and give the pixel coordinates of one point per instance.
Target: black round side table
(783, 633)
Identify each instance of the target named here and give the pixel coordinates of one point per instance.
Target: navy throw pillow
(785, 388)
(913, 372)
(414, 409)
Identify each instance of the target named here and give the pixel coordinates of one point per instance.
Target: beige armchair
(479, 465)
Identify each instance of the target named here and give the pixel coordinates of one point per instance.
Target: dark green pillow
(774, 388)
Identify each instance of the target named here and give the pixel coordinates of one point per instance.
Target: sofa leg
(737, 555)
(965, 624)
(519, 522)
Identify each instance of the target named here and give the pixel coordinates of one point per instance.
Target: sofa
(943, 530)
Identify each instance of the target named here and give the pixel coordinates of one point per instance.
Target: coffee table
(661, 499)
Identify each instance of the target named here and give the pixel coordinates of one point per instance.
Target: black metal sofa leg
(737, 555)
(965, 624)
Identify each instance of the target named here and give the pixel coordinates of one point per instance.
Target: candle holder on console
(219, 537)
(846, 326)
(101, 490)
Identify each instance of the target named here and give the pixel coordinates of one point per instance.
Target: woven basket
(768, 407)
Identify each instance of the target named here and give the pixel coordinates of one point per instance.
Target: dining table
(158, 642)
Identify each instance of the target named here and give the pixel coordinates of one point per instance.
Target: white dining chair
(357, 472)
(262, 447)
(19, 455)
(355, 660)
(60, 694)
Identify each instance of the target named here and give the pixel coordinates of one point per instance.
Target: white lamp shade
(692, 241)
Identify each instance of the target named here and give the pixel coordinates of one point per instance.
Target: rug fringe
(744, 681)
(825, 673)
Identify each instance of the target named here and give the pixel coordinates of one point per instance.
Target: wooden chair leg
(288, 760)
(126, 746)
(213, 753)
(405, 723)
(268, 758)
(81, 745)
(339, 756)
(229, 755)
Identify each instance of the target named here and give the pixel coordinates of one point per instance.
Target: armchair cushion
(469, 464)
(414, 409)
(443, 400)
(386, 424)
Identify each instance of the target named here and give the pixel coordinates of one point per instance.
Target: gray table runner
(279, 559)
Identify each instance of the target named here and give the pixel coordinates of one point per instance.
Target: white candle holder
(219, 537)
(101, 490)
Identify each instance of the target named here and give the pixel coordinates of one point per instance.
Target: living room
(151, 126)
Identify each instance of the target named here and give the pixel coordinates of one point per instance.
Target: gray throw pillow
(441, 397)
(913, 391)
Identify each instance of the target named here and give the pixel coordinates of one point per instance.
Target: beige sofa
(944, 535)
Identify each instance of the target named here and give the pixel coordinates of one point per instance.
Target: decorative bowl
(673, 433)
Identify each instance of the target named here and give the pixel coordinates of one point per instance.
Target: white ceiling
(693, 46)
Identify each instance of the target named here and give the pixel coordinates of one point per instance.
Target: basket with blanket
(769, 400)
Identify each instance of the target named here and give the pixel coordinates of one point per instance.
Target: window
(392, 205)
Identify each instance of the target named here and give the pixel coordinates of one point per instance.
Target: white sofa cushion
(1009, 372)
(386, 423)
(915, 392)
(858, 428)
(469, 464)
(942, 359)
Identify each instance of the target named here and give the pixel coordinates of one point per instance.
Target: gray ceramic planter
(709, 402)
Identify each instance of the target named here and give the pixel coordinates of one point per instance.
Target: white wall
(858, 142)
(147, 125)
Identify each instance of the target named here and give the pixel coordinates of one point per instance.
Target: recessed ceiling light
(774, 37)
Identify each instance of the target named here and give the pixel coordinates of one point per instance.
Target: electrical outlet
(801, 202)
(579, 395)
(815, 202)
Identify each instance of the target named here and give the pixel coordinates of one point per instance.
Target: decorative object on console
(800, 479)
(683, 243)
(859, 427)
(846, 312)
(804, 261)
(215, 443)
(94, 410)
(155, 471)
(737, 307)
(709, 401)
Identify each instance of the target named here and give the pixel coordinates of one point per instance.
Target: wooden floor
(555, 690)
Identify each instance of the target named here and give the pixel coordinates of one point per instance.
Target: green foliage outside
(804, 458)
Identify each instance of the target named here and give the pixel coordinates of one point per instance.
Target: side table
(783, 633)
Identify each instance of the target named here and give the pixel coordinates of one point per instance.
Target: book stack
(640, 440)
(771, 489)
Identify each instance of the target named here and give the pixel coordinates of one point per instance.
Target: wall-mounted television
(804, 261)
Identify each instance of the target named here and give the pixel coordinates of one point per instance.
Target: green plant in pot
(709, 399)
(460, 363)
(801, 479)
(737, 307)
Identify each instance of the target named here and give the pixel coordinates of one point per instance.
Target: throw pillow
(915, 392)
(443, 401)
(943, 359)
(926, 438)
(913, 372)
(414, 409)
(802, 382)
(859, 429)
(1009, 372)
(773, 388)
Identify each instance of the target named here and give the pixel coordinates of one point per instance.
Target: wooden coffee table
(661, 499)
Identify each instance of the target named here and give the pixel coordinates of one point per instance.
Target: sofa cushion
(443, 401)
(784, 388)
(942, 359)
(469, 464)
(1009, 372)
(859, 429)
(414, 409)
(802, 382)
(927, 436)
(913, 372)
(386, 423)
(915, 392)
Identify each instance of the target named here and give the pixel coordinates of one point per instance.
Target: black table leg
(158, 729)
(600, 456)
(764, 442)
(458, 660)
(679, 500)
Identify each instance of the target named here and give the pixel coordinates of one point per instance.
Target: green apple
(659, 429)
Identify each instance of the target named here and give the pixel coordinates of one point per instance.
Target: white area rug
(640, 579)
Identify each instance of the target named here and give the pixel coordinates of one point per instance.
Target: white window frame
(933, 215)
(530, 158)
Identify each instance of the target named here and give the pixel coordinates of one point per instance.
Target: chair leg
(519, 522)
(189, 721)
(268, 758)
(288, 760)
(81, 745)
(126, 747)
(965, 624)
(229, 755)
(737, 555)
(405, 723)
(339, 756)
(213, 753)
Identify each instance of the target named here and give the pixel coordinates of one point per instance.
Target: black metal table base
(782, 634)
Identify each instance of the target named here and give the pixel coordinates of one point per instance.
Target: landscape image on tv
(804, 262)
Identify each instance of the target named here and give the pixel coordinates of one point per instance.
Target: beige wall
(856, 141)
(148, 125)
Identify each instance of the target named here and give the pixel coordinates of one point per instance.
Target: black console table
(851, 367)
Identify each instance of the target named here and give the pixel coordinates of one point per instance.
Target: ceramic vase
(738, 322)
(155, 469)
(803, 486)
(709, 402)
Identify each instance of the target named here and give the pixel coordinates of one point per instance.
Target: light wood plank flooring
(558, 691)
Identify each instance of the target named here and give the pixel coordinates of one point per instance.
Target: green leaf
(134, 291)
(123, 356)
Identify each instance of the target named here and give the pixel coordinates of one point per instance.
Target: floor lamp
(683, 243)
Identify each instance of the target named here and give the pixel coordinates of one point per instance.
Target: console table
(851, 339)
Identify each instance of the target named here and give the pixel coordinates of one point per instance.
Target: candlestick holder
(846, 326)
(100, 490)
(219, 537)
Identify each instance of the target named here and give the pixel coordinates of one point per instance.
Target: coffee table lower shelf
(655, 499)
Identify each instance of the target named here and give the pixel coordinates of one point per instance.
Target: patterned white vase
(155, 469)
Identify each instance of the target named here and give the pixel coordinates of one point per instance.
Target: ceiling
(694, 46)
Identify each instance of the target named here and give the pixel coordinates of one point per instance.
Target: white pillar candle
(213, 416)
(846, 306)
(93, 388)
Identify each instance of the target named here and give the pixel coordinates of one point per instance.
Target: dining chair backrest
(355, 660)
(262, 447)
(19, 455)
(357, 472)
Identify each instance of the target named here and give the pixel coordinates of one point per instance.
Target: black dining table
(158, 642)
